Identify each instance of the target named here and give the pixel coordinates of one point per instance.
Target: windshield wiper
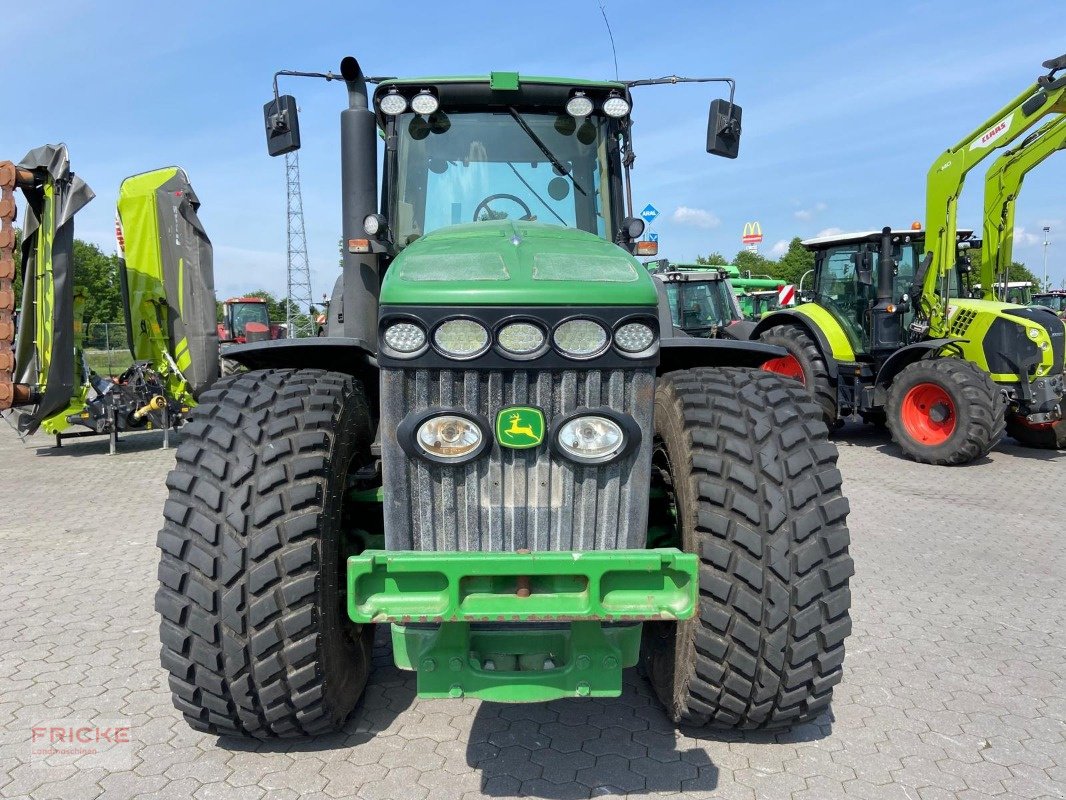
(543, 202)
(559, 166)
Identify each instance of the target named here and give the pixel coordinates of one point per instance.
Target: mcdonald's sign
(752, 233)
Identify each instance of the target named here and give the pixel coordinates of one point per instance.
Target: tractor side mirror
(863, 268)
(723, 129)
(282, 123)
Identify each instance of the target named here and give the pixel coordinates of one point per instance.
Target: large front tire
(254, 633)
(750, 477)
(813, 371)
(945, 411)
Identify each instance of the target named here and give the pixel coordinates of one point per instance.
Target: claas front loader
(1003, 183)
(502, 449)
(892, 334)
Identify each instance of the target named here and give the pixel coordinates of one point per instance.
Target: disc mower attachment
(166, 273)
(44, 373)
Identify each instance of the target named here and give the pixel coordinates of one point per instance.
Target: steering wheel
(484, 204)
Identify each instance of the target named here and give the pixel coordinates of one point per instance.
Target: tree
(793, 264)
(712, 258)
(97, 275)
(747, 261)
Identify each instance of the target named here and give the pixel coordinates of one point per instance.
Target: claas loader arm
(1002, 185)
(946, 176)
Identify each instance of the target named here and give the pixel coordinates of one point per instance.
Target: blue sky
(845, 106)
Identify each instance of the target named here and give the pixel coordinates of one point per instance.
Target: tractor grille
(962, 321)
(507, 499)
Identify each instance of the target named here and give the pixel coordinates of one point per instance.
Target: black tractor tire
(751, 477)
(974, 405)
(1052, 437)
(227, 366)
(251, 577)
(816, 378)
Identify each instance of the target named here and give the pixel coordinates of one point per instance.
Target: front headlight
(405, 338)
(448, 436)
(580, 338)
(591, 438)
(520, 338)
(461, 338)
(634, 337)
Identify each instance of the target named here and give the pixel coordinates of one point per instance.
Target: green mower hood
(45, 349)
(167, 277)
(515, 263)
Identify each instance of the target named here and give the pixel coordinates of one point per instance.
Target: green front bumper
(520, 626)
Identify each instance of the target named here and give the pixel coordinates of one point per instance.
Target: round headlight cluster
(634, 337)
(520, 338)
(449, 436)
(616, 107)
(580, 105)
(461, 338)
(405, 337)
(591, 438)
(580, 338)
(425, 103)
(393, 103)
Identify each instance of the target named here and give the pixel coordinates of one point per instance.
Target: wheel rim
(928, 414)
(789, 366)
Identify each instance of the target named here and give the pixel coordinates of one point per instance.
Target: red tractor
(245, 319)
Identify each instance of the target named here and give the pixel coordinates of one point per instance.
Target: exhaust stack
(358, 199)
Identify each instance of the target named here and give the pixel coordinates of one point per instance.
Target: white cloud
(830, 231)
(1023, 238)
(696, 217)
(779, 249)
(807, 214)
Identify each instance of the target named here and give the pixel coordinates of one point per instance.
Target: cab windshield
(1056, 302)
(701, 307)
(514, 165)
(243, 313)
(838, 289)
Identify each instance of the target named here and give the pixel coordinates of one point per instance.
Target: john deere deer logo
(519, 427)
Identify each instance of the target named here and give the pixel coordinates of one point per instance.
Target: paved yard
(954, 686)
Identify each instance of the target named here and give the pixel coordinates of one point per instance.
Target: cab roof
(501, 81)
(818, 242)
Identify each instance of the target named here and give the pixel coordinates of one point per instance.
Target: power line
(298, 285)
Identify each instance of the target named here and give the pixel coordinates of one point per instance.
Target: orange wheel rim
(789, 366)
(928, 414)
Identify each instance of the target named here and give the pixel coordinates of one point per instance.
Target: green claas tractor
(893, 335)
(501, 448)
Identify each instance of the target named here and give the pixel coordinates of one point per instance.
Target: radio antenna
(614, 52)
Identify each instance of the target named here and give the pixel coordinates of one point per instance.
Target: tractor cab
(1054, 300)
(847, 279)
(1019, 293)
(761, 303)
(701, 301)
(245, 319)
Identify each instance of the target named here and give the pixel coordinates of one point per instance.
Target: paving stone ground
(954, 685)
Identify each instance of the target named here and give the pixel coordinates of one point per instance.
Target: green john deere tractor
(894, 336)
(501, 449)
